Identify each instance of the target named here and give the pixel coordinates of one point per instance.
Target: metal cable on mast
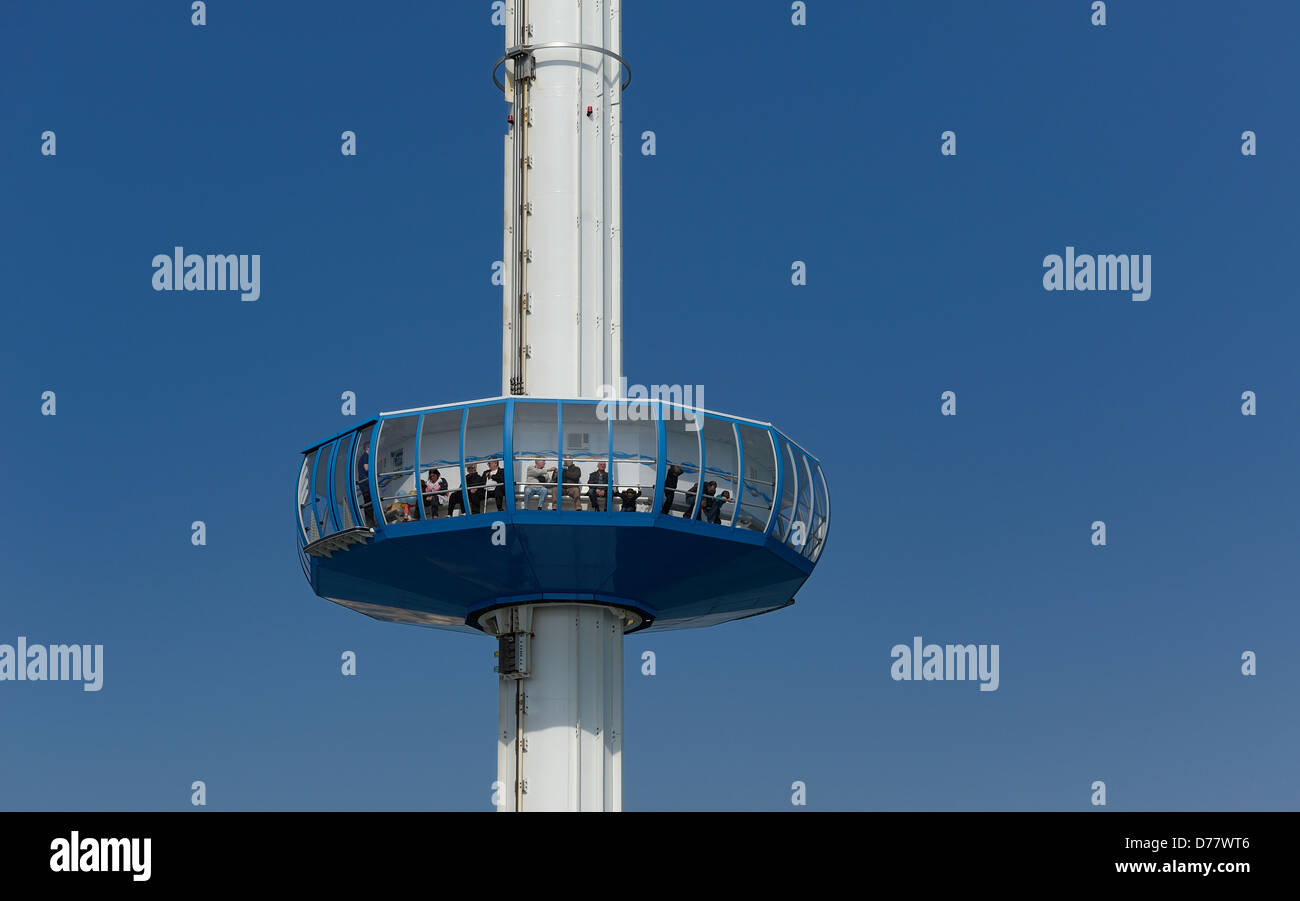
(523, 72)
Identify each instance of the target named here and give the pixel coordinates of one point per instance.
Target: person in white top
(494, 480)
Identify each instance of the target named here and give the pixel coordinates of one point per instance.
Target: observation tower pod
(560, 516)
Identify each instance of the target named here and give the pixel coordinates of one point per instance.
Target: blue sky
(775, 144)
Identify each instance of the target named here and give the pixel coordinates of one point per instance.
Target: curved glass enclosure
(360, 489)
(540, 458)
(440, 479)
(823, 507)
(341, 489)
(682, 469)
(320, 498)
(305, 521)
(584, 478)
(536, 434)
(802, 525)
(484, 475)
(783, 513)
(394, 467)
(634, 461)
(721, 463)
(758, 490)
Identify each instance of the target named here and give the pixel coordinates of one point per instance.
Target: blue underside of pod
(676, 573)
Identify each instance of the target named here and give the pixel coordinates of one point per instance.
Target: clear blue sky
(775, 144)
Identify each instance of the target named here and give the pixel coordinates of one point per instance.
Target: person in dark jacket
(474, 481)
(628, 496)
(455, 498)
(363, 485)
(598, 482)
(670, 483)
(706, 502)
(571, 485)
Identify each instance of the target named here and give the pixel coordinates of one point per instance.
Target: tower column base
(560, 713)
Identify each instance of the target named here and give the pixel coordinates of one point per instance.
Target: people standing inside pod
(495, 481)
(321, 508)
(670, 483)
(716, 513)
(598, 482)
(706, 502)
(690, 501)
(363, 485)
(572, 481)
(474, 481)
(535, 477)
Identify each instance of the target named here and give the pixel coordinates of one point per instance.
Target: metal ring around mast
(516, 52)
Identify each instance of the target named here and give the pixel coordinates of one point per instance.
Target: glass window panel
(810, 468)
(823, 499)
(759, 481)
(343, 483)
(806, 470)
(320, 492)
(537, 458)
(718, 492)
(361, 476)
(305, 518)
(440, 463)
(395, 469)
(682, 468)
(799, 528)
(804, 518)
(585, 479)
(485, 474)
(789, 484)
(636, 445)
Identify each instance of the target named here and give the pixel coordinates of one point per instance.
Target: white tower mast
(563, 302)
(560, 723)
